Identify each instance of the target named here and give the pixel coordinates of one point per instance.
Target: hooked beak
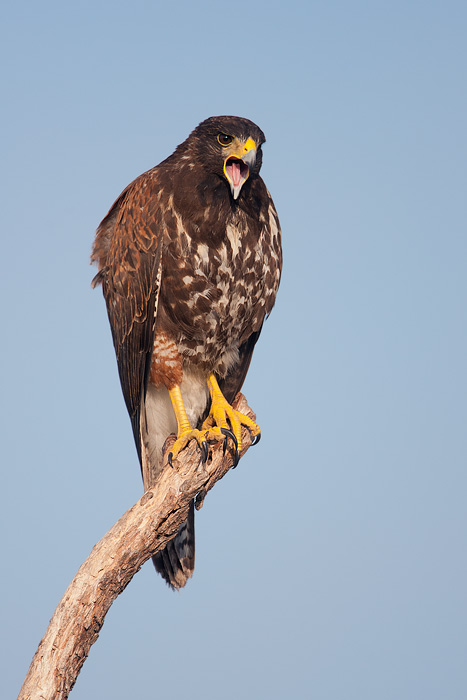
(238, 164)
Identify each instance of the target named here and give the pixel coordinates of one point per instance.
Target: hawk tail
(176, 562)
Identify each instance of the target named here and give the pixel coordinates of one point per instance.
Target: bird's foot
(222, 423)
(216, 425)
(184, 438)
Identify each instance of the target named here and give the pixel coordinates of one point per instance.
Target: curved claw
(236, 459)
(256, 439)
(229, 433)
(204, 451)
(170, 458)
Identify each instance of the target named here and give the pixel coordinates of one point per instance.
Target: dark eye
(224, 139)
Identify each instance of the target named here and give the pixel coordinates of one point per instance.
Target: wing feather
(128, 250)
(233, 382)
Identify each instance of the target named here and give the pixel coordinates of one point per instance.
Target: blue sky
(332, 563)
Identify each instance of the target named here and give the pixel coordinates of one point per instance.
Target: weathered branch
(141, 532)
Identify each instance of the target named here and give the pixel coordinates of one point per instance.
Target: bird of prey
(189, 258)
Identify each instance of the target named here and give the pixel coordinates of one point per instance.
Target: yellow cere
(249, 144)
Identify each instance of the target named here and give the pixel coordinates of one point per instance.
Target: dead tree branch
(141, 532)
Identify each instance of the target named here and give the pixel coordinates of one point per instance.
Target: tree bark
(141, 532)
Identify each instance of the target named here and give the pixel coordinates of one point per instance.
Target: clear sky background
(332, 564)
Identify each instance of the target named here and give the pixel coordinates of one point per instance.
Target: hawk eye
(224, 139)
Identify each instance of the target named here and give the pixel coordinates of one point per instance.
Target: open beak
(238, 164)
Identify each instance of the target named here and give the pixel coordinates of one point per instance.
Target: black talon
(169, 459)
(204, 451)
(229, 433)
(256, 439)
(236, 459)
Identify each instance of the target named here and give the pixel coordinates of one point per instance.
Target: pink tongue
(236, 173)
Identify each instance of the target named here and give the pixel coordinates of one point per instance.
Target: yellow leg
(185, 432)
(221, 411)
(179, 410)
(216, 425)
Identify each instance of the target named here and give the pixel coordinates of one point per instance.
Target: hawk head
(230, 147)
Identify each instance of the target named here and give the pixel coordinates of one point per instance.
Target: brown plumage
(189, 259)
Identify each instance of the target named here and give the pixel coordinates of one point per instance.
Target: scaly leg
(216, 422)
(185, 432)
(215, 427)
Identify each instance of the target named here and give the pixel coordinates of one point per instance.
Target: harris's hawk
(189, 258)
